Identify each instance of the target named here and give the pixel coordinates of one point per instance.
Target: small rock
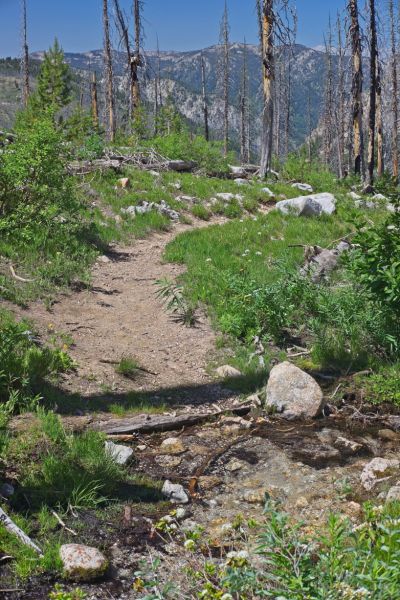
(318, 455)
(168, 461)
(303, 187)
(226, 371)
(353, 509)
(255, 496)
(124, 183)
(354, 196)
(240, 181)
(388, 435)
(175, 492)
(103, 259)
(141, 447)
(228, 197)
(377, 470)
(293, 392)
(254, 399)
(120, 454)
(154, 173)
(209, 482)
(393, 494)
(180, 514)
(301, 502)
(379, 197)
(172, 446)
(7, 490)
(347, 447)
(269, 192)
(242, 423)
(237, 171)
(82, 563)
(177, 185)
(230, 430)
(234, 465)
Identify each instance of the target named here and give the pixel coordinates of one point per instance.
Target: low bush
(24, 364)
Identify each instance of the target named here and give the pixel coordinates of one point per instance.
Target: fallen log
(117, 161)
(15, 530)
(153, 423)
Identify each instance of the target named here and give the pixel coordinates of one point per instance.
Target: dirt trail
(120, 315)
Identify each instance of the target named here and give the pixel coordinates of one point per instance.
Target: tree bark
(268, 78)
(94, 101)
(25, 57)
(341, 99)
(372, 92)
(110, 106)
(379, 123)
(204, 97)
(225, 76)
(395, 110)
(357, 87)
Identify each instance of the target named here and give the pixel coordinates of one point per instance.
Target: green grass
(128, 366)
(382, 387)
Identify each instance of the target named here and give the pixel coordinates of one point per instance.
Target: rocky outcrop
(293, 393)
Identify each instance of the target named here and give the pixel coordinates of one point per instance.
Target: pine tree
(54, 81)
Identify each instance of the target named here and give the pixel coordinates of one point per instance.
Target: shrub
(376, 262)
(24, 364)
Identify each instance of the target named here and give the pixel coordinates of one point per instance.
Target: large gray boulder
(120, 454)
(293, 393)
(82, 563)
(314, 205)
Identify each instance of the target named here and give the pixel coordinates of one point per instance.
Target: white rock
(175, 493)
(267, 191)
(154, 173)
(304, 187)
(119, 453)
(227, 371)
(240, 181)
(293, 392)
(227, 196)
(103, 259)
(378, 470)
(82, 563)
(354, 196)
(237, 171)
(379, 197)
(309, 206)
(393, 494)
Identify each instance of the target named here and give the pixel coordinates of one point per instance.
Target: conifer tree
(54, 81)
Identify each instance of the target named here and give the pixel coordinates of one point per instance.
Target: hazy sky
(180, 24)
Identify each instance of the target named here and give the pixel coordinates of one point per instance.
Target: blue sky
(183, 25)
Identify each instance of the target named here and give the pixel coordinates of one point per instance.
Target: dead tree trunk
(268, 78)
(395, 110)
(204, 96)
(244, 109)
(94, 101)
(136, 58)
(357, 87)
(309, 144)
(108, 67)
(379, 122)
(372, 92)
(328, 110)
(341, 98)
(224, 41)
(25, 57)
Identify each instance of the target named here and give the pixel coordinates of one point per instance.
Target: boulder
(303, 187)
(181, 166)
(175, 493)
(293, 393)
(309, 206)
(227, 371)
(82, 563)
(119, 453)
(378, 469)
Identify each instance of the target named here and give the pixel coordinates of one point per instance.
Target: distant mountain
(181, 80)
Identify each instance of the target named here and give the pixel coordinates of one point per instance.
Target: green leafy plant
(175, 301)
(128, 366)
(59, 593)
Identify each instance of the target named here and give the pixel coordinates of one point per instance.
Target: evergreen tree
(54, 82)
